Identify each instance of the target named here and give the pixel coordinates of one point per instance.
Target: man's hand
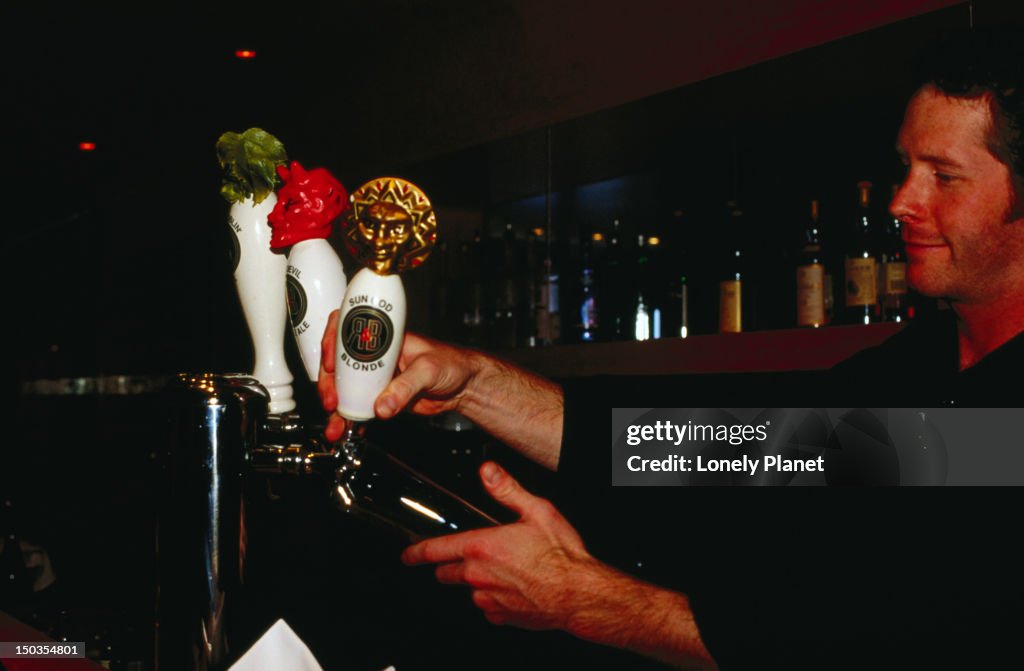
(522, 573)
(432, 378)
(536, 574)
(521, 409)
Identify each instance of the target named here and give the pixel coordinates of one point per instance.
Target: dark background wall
(122, 251)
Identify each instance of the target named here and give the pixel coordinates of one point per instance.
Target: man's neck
(982, 328)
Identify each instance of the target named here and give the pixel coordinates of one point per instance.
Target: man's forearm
(618, 610)
(517, 407)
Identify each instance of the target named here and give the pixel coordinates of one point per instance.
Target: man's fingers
(451, 574)
(434, 551)
(328, 393)
(329, 341)
(412, 347)
(442, 549)
(508, 492)
(421, 374)
(336, 426)
(485, 601)
(325, 379)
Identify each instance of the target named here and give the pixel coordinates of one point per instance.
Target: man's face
(962, 242)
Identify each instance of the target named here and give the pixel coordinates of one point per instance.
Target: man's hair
(979, 63)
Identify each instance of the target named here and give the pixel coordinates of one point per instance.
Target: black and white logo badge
(296, 301)
(367, 333)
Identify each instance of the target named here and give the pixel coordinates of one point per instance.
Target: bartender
(872, 590)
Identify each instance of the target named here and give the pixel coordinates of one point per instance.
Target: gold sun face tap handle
(391, 226)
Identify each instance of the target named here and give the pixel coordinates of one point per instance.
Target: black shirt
(919, 367)
(823, 578)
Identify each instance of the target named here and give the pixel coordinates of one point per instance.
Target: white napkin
(279, 648)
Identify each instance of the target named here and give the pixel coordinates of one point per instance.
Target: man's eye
(943, 177)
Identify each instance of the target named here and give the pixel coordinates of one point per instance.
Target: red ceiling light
(245, 54)
(87, 146)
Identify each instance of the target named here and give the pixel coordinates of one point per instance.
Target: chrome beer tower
(229, 429)
(222, 436)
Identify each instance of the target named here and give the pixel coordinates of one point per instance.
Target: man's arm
(536, 574)
(517, 407)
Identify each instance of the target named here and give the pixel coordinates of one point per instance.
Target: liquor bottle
(684, 306)
(506, 299)
(862, 264)
(444, 296)
(656, 289)
(615, 276)
(473, 299)
(551, 317)
(641, 310)
(810, 275)
(830, 297)
(674, 268)
(588, 326)
(893, 285)
(536, 252)
(730, 287)
(547, 315)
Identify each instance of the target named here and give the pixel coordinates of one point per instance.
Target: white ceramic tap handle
(260, 279)
(371, 329)
(316, 287)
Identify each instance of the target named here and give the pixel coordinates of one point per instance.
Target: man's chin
(926, 282)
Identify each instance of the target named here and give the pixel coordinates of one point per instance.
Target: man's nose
(906, 203)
